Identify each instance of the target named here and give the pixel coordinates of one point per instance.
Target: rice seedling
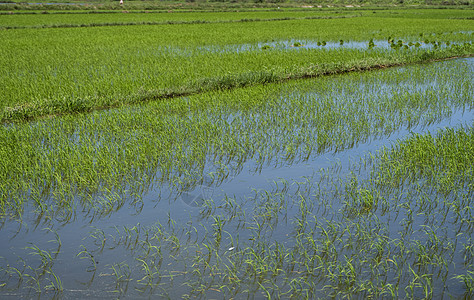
(127, 71)
(85, 254)
(65, 20)
(280, 219)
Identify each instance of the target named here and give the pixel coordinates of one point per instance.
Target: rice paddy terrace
(258, 154)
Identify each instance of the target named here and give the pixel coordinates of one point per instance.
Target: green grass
(232, 6)
(82, 69)
(13, 21)
(444, 160)
(196, 119)
(116, 146)
(380, 253)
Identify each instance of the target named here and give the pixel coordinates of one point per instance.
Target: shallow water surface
(157, 240)
(294, 45)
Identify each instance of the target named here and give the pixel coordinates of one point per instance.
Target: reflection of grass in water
(113, 68)
(36, 279)
(201, 192)
(329, 253)
(327, 235)
(122, 153)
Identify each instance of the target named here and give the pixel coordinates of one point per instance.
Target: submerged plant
(384, 226)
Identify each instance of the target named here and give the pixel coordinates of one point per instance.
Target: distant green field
(159, 17)
(47, 71)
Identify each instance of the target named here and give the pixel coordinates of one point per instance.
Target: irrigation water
(294, 45)
(288, 201)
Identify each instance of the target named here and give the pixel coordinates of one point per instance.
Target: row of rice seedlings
(59, 78)
(374, 253)
(123, 152)
(16, 21)
(163, 23)
(414, 264)
(82, 103)
(443, 172)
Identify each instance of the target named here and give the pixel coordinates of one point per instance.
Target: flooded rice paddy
(422, 43)
(295, 45)
(357, 185)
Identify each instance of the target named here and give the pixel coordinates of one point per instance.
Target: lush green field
(63, 70)
(129, 18)
(201, 5)
(231, 159)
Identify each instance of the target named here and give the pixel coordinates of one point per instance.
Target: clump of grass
(371, 44)
(112, 68)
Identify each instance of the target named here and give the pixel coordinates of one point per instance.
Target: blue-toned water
(245, 183)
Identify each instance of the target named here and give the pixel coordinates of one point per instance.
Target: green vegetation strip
(48, 107)
(167, 22)
(98, 19)
(170, 141)
(68, 70)
(229, 6)
(445, 161)
(58, 77)
(397, 224)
